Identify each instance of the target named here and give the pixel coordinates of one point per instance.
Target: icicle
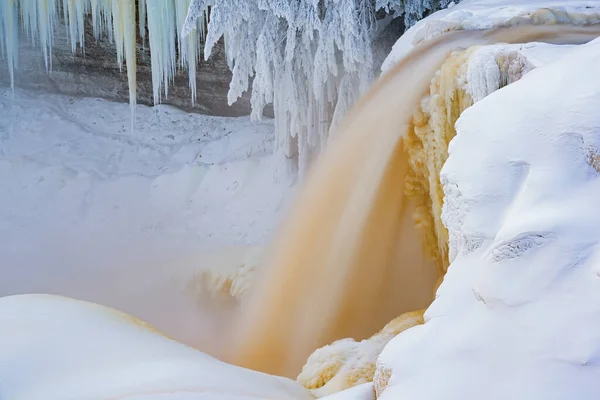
(188, 45)
(310, 58)
(127, 11)
(162, 31)
(142, 20)
(96, 20)
(41, 15)
(65, 9)
(124, 29)
(74, 13)
(10, 22)
(29, 19)
(2, 44)
(196, 12)
(118, 31)
(108, 22)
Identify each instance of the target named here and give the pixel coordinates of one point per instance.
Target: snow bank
(484, 14)
(141, 222)
(57, 348)
(514, 317)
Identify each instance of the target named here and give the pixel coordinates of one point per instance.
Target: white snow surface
(516, 314)
(56, 348)
(364, 391)
(91, 211)
(484, 14)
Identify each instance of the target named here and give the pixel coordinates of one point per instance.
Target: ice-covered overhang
(484, 14)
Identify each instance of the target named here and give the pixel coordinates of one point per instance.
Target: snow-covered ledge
(484, 14)
(516, 316)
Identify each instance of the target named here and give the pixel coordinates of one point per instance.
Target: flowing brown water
(349, 258)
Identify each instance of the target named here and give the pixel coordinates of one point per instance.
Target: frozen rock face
(515, 315)
(53, 347)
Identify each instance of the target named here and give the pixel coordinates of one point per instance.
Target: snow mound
(54, 347)
(347, 363)
(484, 14)
(515, 315)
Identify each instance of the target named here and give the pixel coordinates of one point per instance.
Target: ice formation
(534, 214)
(58, 348)
(347, 363)
(310, 59)
(291, 48)
(117, 18)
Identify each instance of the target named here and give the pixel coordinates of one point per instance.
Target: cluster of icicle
(311, 59)
(114, 20)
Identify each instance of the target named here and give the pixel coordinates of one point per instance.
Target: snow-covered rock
(515, 315)
(53, 347)
(484, 14)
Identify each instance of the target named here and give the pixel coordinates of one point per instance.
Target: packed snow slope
(514, 317)
(56, 348)
(485, 14)
(143, 222)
